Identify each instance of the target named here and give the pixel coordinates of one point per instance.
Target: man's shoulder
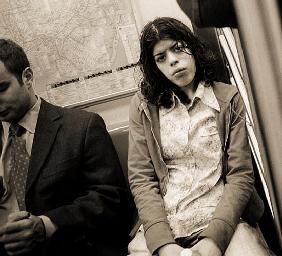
(69, 116)
(72, 112)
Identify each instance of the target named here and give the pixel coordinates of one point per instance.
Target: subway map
(79, 49)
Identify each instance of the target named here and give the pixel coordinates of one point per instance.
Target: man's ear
(27, 77)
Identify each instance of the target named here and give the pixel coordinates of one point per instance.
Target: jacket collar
(48, 124)
(203, 93)
(30, 118)
(223, 93)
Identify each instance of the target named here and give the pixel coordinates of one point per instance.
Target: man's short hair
(13, 57)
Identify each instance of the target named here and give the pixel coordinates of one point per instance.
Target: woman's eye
(178, 48)
(4, 87)
(160, 58)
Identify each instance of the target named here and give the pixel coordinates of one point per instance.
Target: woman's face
(175, 61)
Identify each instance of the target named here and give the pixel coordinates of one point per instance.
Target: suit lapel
(48, 124)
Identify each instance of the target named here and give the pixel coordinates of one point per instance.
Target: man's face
(14, 97)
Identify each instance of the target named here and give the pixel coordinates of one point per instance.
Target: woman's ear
(27, 77)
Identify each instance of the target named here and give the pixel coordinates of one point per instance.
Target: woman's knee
(247, 240)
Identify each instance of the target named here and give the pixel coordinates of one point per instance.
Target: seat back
(120, 139)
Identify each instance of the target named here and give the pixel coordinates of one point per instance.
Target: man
(63, 191)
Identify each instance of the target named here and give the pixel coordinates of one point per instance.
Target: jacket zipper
(227, 128)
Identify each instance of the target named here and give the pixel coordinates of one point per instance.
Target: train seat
(120, 140)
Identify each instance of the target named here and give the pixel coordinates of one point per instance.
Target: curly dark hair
(155, 87)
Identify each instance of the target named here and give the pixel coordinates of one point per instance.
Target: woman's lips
(178, 71)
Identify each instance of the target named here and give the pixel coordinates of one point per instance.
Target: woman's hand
(174, 250)
(170, 250)
(207, 247)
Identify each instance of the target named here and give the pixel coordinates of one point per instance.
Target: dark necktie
(19, 163)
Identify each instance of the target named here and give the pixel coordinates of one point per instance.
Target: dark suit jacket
(76, 180)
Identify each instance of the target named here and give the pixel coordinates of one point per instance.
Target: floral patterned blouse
(192, 153)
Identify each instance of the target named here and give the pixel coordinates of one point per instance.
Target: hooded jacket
(148, 174)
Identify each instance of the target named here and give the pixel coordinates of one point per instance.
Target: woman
(190, 168)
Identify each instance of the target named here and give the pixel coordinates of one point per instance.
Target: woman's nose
(172, 59)
(173, 63)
